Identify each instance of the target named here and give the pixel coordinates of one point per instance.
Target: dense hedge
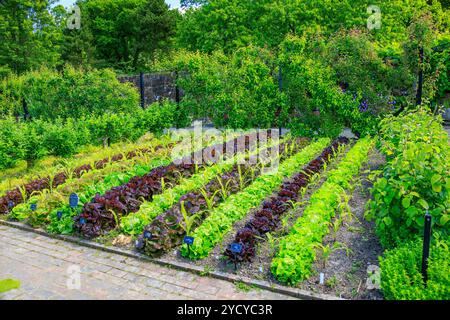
(416, 178)
(62, 137)
(401, 277)
(71, 93)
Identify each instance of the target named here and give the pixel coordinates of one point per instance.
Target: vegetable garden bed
(300, 226)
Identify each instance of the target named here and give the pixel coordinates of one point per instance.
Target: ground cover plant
(401, 277)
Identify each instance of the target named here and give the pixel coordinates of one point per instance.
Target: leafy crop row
(222, 218)
(113, 174)
(297, 250)
(268, 218)
(19, 195)
(135, 223)
(104, 212)
(169, 228)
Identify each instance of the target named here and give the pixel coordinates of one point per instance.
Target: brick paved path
(44, 267)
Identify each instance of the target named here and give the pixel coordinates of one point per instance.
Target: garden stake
(426, 247)
(188, 240)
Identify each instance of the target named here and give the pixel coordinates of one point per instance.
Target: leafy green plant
(221, 219)
(401, 277)
(297, 251)
(414, 180)
(188, 220)
(9, 284)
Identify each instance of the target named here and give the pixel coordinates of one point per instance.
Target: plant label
(236, 247)
(322, 278)
(147, 235)
(73, 200)
(59, 215)
(33, 207)
(188, 240)
(139, 244)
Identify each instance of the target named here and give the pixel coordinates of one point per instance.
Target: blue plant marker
(33, 207)
(73, 200)
(147, 235)
(10, 204)
(82, 221)
(188, 240)
(236, 248)
(59, 215)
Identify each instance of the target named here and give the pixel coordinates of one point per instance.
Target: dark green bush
(401, 277)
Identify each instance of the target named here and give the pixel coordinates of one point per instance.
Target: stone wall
(157, 86)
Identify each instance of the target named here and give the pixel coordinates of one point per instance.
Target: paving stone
(42, 265)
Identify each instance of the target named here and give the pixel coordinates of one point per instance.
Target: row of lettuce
(415, 180)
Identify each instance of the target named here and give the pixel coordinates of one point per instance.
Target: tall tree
(126, 33)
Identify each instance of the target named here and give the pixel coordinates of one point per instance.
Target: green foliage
(415, 179)
(297, 251)
(71, 93)
(31, 144)
(236, 206)
(401, 277)
(34, 139)
(9, 284)
(231, 24)
(124, 33)
(29, 35)
(10, 141)
(239, 91)
(310, 87)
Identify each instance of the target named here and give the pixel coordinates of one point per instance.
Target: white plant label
(373, 277)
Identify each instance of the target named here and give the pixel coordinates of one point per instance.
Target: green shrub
(401, 277)
(416, 178)
(69, 94)
(33, 140)
(32, 144)
(239, 91)
(10, 146)
(60, 138)
(157, 117)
